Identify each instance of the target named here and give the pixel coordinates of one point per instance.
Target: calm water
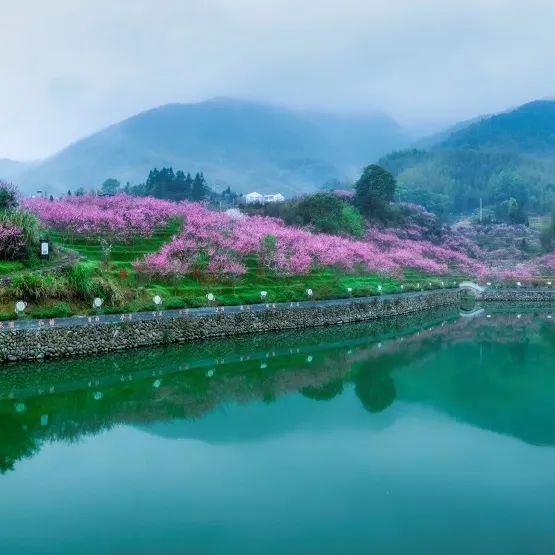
(431, 435)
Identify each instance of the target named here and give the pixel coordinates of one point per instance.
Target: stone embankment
(520, 295)
(64, 337)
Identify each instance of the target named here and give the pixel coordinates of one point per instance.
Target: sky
(71, 67)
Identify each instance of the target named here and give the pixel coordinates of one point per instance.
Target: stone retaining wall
(29, 340)
(519, 295)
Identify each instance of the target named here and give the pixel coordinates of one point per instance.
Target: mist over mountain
(11, 170)
(507, 159)
(529, 128)
(245, 145)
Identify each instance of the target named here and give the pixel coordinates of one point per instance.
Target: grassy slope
(186, 291)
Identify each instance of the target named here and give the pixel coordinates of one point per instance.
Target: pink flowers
(424, 255)
(533, 269)
(214, 243)
(219, 244)
(344, 193)
(121, 216)
(12, 241)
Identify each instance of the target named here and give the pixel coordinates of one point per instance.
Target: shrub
(79, 278)
(58, 310)
(352, 221)
(35, 286)
(12, 241)
(323, 211)
(108, 290)
(25, 226)
(6, 316)
(8, 196)
(175, 302)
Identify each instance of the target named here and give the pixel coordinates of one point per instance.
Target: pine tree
(199, 189)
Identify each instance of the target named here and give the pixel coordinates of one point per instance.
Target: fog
(70, 67)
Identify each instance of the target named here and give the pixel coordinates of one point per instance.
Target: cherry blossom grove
(122, 216)
(227, 241)
(218, 243)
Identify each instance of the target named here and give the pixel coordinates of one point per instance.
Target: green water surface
(432, 434)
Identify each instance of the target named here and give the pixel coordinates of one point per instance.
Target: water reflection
(374, 386)
(492, 372)
(323, 392)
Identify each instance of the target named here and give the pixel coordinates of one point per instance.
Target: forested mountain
(507, 159)
(245, 145)
(528, 128)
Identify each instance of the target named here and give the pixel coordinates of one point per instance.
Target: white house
(251, 198)
(278, 197)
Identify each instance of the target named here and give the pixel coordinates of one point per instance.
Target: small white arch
(471, 286)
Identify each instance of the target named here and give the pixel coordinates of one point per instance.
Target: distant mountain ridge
(529, 128)
(242, 144)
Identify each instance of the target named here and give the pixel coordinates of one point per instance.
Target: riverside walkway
(161, 314)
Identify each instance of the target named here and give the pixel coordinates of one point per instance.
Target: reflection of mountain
(260, 421)
(495, 373)
(507, 387)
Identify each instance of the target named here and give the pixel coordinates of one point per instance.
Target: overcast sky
(70, 67)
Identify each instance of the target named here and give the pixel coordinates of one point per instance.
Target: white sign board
(44, 246)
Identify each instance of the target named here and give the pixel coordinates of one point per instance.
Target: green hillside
(507, 160)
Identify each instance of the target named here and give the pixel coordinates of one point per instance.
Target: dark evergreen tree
(110, 186)
(200, 189)
(374, 191)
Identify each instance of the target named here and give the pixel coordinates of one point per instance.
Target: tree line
(167, 184)
(453, 181)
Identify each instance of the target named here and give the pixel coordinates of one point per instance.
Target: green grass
(122, 254)
(130, 291)
(9, 267)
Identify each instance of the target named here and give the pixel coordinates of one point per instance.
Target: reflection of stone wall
(97, 338)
